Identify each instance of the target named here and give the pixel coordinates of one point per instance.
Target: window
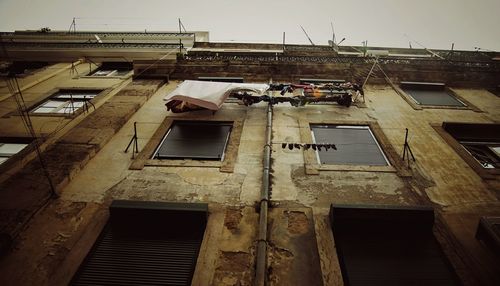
(389, 245)
(495, 91)
(195, 140)
(231, 98)
(66, 102)
(486, 153)
(112, 69)
(355, 145)
(22, 68)
(481, 141)
(320, 81)
(7, 150)
(146, 243)
(221, 79)
(488, 231)
(432, 94)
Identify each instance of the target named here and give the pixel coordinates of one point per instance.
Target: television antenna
(307, 36)
(181, 26)
(72, 27)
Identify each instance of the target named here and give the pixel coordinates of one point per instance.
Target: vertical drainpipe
(261, 260)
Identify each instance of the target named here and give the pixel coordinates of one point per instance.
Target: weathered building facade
(272, 205)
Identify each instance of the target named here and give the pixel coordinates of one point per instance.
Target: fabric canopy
(210, 95)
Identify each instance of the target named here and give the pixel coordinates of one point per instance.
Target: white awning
(211, 95)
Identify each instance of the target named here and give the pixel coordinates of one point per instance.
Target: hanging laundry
(307, 146)
(205, 94)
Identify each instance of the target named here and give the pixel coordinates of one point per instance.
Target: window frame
(484, 173)
(313, 167)
(32, 108)
(192, 157)
(144, 158)
(418, 106)
(7, 164)
(335, 126)
(113, 70)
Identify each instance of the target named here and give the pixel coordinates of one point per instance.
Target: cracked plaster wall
(295, 195)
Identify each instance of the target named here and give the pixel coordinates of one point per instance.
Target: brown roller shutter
(195, 140)
(146, 243)
(383, 245)
(430, 94)
(355, 145)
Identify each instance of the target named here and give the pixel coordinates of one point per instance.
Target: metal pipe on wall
(261, 259)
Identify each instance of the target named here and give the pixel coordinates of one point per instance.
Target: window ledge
(144, 157)
(361, 168)
(182, 163)
(106, 77)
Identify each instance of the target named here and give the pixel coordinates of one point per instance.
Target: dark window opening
(386, 245)
(113, 69)
(488, 231)
(320, 81)
(22, 68)
(202, 140)
(482, 141)
(495, 91)
(66, 102)
(434, 94)
(221, 79)
(146, 243)
(356, 145)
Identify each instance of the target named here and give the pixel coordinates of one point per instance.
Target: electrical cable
(15, 90)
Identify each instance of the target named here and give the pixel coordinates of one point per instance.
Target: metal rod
(134, 138)
(369, 73)
(261, 259)
(135, 135)
(406, 142)
(283, 41)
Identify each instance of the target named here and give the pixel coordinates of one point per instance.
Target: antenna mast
(333, 35)
(307, 36)
(72, 27)
(181, 26)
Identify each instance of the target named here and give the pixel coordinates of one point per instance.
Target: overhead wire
(15, 90)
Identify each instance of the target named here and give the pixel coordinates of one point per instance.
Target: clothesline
(193, 95)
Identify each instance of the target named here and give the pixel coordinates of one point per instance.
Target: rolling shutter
(195, 140)
(355, 145)
(430, 94)
(146, 243)
(382, 245)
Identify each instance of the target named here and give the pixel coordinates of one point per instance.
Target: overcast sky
(432, 23)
